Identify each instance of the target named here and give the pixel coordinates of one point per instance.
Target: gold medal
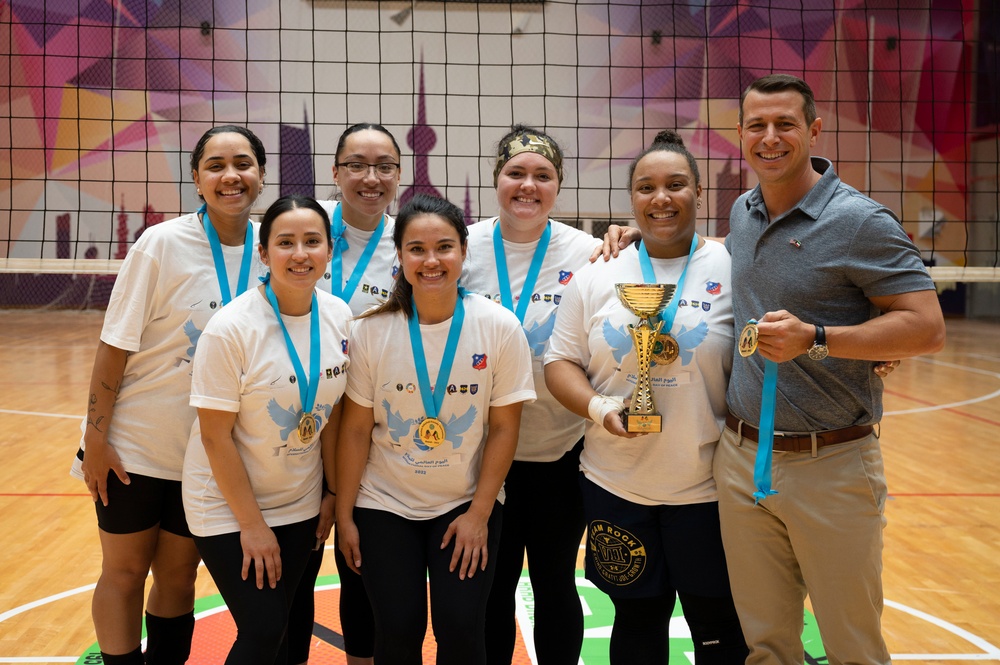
(748, 339)
(307, 428)
(431, 432)
(666, 349)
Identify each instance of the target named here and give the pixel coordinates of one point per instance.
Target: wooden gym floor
(940, 436)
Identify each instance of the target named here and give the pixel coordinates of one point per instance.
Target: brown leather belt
(800, 443)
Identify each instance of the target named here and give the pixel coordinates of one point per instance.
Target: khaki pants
(821, 535)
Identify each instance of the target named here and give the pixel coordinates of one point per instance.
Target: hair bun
(669, 137)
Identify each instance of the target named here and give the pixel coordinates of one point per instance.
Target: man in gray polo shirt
(835, 285)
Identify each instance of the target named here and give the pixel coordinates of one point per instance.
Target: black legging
(543, 515)
(356, 619)
(640, 635)
(261, 615)
(397, 556)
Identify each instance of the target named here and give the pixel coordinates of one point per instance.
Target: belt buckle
(796, 436)
(779, 435)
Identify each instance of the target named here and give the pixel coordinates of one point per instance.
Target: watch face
(818, 351)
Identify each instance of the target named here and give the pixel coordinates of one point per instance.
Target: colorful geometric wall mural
(104, 99)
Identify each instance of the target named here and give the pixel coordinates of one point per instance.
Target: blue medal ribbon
(433, 400)
(220, 261)
(765, 433)
(649, 277)
(506, 299)
(337, 286)
(308, 385)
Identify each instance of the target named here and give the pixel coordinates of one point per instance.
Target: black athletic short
(637, 551)
(142, 504)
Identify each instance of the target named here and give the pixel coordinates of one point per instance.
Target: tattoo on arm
(93, 421)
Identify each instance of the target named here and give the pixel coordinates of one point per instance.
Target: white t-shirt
(165, 293)
(380, 274)
(548, 429)
(243, 366)
(674, 466)
(491, 368)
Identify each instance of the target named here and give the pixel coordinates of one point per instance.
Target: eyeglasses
(382, 169)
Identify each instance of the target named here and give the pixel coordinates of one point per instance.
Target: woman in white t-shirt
(267, 381)
(524, 261)
(174, 279)
(361, 272)
(367, 173)
(429, 429)
(650, 501)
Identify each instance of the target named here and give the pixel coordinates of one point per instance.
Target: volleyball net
(102, 103)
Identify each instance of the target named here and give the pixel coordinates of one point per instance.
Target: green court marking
(92, 656)
(597, 623)
(597, 631)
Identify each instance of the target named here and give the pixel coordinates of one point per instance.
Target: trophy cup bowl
(645, 301)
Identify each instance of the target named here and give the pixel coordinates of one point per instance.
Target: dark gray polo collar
(815, 200)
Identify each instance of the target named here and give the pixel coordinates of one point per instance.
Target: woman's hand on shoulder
(886, 367)
(616, 239)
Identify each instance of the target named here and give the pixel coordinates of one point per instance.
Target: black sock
(168, 641)
(133, 658)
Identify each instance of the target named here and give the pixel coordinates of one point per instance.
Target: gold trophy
(645, 301)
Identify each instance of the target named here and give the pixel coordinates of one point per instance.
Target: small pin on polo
(795, 243)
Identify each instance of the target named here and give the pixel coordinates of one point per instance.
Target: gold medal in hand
(748, 339)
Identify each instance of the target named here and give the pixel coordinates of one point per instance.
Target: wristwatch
(818, 350)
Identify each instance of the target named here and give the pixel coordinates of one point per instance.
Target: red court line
(989, 495)
(42, 494)
(955, 411)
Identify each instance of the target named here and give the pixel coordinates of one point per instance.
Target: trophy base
(642, 422)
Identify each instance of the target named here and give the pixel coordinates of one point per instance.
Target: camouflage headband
(528, 142)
